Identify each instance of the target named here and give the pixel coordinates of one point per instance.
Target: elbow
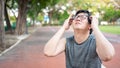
(109, 57)
(49, 54)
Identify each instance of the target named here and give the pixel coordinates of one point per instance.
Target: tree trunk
(50, 17)
(21, 21)
(2, 30)
(7, 18)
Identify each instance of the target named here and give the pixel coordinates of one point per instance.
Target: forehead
(83, 14)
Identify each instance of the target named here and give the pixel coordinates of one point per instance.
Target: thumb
(70, 16)
(70, 19)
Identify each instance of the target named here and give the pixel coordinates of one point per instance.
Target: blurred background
(18, 15)
(20, 18)
(54, 12)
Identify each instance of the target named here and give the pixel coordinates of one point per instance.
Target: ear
(89, 27)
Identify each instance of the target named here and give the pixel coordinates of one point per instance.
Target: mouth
(78, 22)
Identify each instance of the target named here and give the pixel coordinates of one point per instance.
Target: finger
(94, 17)
(90, 17)
(70, 16)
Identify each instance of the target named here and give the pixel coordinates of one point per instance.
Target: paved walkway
(29, 53)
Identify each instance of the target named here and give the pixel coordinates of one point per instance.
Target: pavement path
(29, 52)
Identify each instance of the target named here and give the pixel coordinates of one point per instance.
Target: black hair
(89, 14)
(84, 11)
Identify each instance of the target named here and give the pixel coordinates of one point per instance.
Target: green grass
(110, 29)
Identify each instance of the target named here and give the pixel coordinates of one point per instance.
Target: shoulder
(92, 36)
(92, 40)
(71, 38)
(65, 40)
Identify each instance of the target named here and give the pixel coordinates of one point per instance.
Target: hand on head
(94, 21)
(68, 22)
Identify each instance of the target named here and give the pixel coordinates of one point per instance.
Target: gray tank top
(82, 55)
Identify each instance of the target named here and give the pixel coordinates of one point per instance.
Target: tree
(37, 5)
(33, 7)
(22, 14)
(111, 15)
(116, 3)
(2, 31)
(6, 15)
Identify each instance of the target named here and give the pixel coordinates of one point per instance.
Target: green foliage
(53, 2)
(12, 18)
(63, 17)
(111, 14)
(11, 4)
(40, 17)
(110, 29)
(35, 7)
(60, 16)
(13, 25)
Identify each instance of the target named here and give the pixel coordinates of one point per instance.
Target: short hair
(84, 11)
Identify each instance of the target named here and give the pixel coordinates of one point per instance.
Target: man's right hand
(68, 22)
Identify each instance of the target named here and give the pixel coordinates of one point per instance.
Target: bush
(111, 14)
(63, 17)
(14, 25)
(60, 17)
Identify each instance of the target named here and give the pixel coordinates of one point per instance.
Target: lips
(78, 22)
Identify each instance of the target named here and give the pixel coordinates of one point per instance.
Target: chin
(78, 28)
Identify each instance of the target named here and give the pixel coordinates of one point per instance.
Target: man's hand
(94, 22)
(68, 22)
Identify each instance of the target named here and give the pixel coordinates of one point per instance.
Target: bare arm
(104, 48)
(56, 45)
(53, 45)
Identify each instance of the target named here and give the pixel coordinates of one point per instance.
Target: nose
(78, 19)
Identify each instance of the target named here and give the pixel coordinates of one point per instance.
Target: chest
(81, 52)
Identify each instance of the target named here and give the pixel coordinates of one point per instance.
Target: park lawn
(110, 29)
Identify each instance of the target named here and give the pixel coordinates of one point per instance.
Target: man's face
(81, 21)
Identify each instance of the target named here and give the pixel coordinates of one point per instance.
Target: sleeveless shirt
(82, 55)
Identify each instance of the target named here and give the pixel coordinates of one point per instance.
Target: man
(83, 50)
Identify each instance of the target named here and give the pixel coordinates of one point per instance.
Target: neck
(80, 36)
